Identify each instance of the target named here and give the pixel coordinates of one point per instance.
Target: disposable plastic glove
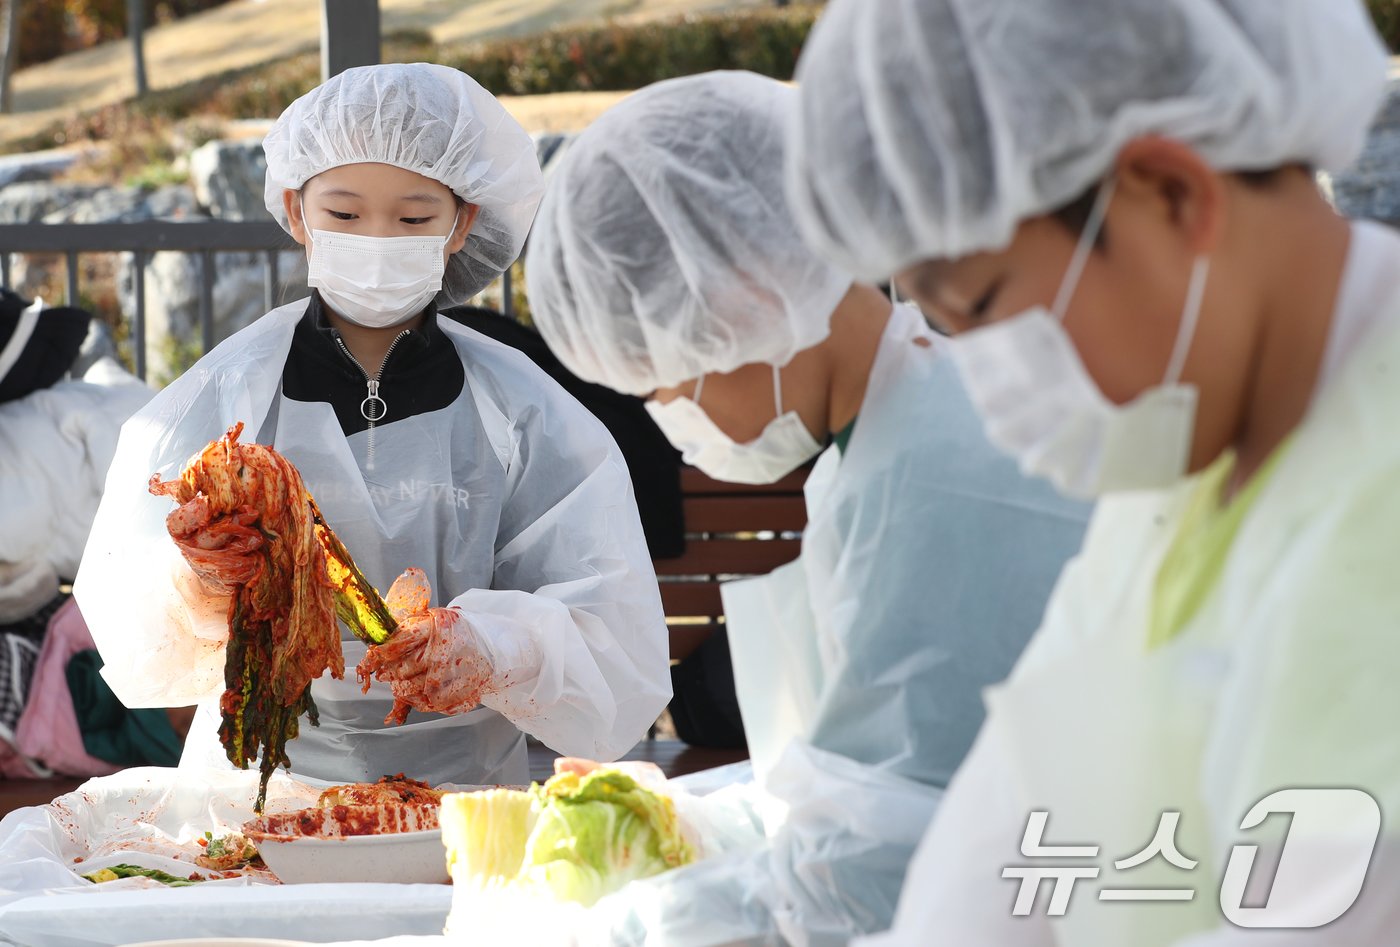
(434, 661)
(221, 549)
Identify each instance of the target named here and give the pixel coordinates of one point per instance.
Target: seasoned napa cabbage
(576, 838)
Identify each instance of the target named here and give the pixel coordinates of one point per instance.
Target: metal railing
(141, 239)
(144, 238)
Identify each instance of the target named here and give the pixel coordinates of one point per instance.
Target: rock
(228, 179)
(169, 203)
(172, 301)
(35, 165)
(126, 205)
(32, 201)
(1370, 188)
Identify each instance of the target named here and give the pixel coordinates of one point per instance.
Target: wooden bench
(732, 530)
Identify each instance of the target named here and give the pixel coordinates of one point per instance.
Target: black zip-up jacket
(423, 372)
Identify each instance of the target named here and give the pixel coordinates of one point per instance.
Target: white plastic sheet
(152, 817)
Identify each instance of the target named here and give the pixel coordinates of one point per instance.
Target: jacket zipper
(372, 389)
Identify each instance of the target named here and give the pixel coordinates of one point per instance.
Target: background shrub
(611, 56)
(614, 56)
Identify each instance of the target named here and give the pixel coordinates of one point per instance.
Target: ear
(296, 222)
(1174, 184)
(466, 218)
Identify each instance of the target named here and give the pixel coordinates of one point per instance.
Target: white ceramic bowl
(306, 847)
(405, 857)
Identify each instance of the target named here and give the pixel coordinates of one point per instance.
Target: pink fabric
(13, 765)
(48, 729)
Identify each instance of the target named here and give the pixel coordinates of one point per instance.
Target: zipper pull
(373, 407)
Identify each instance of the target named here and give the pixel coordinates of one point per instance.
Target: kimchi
(250, 530)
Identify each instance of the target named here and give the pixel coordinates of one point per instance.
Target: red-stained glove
(434, 661)
(221, 549)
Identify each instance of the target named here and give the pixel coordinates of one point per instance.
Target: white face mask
(783, 446)
(377, 281)
(1039, 403)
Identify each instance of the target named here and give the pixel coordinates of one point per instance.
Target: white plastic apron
(773, 641)
(1138, 718)
(444, 524)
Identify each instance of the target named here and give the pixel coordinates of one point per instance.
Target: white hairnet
(929, 129)
(435, 121)
(664, 248)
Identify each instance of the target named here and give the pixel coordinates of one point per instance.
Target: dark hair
(1075, 215)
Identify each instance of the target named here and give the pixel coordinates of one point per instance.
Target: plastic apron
(388, 526)
(1135, 715)
(926, 564)
(773, 644)
(1137, 719)
(536, 539)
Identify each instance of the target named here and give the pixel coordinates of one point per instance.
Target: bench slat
(700, 599)
(744, 514)
(731, 556)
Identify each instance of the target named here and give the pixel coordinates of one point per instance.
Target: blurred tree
(9, 49)
(136, 29)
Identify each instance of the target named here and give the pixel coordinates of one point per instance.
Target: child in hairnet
(927, 557)
(1112, 206)
(424, 443)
